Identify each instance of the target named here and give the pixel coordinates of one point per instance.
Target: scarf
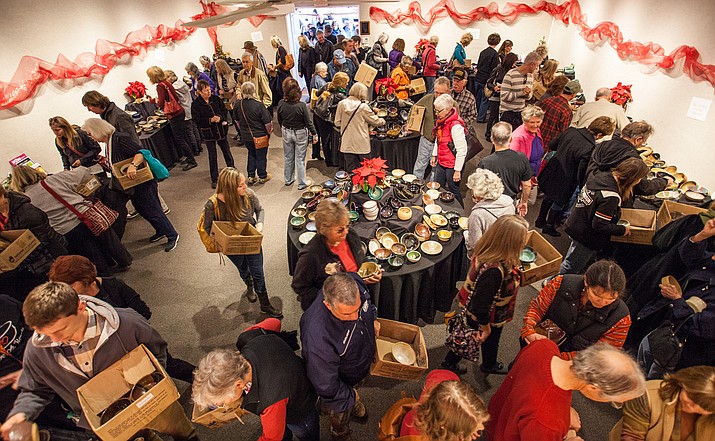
(439, 125)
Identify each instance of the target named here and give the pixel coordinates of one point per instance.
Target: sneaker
(359, 411)
(157, 237)
(288, 184)
(171, 244)
(132, 215)
(302, 187)
(182, 160)
(190, 165)
(251, 180)
(270, 311)
(213, 185)
(266, 179)
(456, 368)
(497, 369)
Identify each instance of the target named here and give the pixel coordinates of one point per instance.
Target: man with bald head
(603, 106)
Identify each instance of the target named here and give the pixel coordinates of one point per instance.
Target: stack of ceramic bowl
(370, 210)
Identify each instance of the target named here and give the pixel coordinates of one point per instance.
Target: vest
(445, 156)
(583, 327)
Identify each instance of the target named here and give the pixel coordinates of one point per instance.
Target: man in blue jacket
(338, 335)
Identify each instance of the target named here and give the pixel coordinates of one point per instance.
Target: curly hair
(485, 184)
(291, 90)
(452, 412)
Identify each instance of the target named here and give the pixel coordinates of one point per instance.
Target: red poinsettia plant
(421, 45)
(136, 90)
(385, 86)
(370, 173)
(621, 94)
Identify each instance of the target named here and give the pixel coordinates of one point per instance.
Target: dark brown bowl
(446, 196)
(114, 409)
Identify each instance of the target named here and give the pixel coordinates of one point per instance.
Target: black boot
(267, 308)
(250, 294)
(550, 230)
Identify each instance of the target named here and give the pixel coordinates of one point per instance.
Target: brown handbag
(97, 217)
(171, 107)
(262, 141)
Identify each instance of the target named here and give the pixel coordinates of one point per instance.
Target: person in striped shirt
(587, 308)
(516, 89)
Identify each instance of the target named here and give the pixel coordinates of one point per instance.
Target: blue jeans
(424, 154)
(306, 430)
(445, 178)
(256, 160)
(429, 84)
(295, 147)
(577, 258)
(146, 202)
(250, 266)
(482, 102)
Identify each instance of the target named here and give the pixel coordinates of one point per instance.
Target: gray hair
(191, 68)
(321, 67)
(434, 40)
(617, 375)
(485, 184)
(501, 133)
(340, 289)
(443, 81)
(248, 90)
(533, 58)
(247, 54)
(383, 38)
(359, 91)
(531, 112)
(637, 129)
(444, 101)
(98, 128)
(604, 92)
(216, 375)
(205, 59)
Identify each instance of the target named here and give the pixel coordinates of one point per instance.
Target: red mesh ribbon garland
(649, 54)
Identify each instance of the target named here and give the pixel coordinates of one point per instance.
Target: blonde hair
(547, 71)
(406, 60)
(171, 76)
(503, 241)
(329, 214)
(466, 39)
(303, 42)
(340, 79)
(222, 67)
(71, 137)
(228, 181)
(276, 42)
(697, 381)
(155, 74)
(24, 176)
(451, 412)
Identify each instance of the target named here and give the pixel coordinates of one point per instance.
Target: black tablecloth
(145, 108)
(161, 144)
(399, 152)
(416, 290)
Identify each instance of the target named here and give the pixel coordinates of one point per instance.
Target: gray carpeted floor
(197, 306)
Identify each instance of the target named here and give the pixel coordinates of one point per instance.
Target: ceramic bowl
(403, 194)
(306, 237)
(694, 196)
(432, 193)
(671, 169)
(446, 196)
(315, 188)
(313, 204)
(387, 211)
(396, 262)
(410, 241)
(354, 216)
(381, 232)
(329, 184)
(341, 175)
(311, 217)
(451, 215)
(404, 213)
(373, 245)
(403, 353)
(375, 193)
(464, 222)
(393, 133)
(389, 239)
(398, 249)
(392, 111)
(144, 385)
(382, 254)
(114, 409)
(297, 222)
(432, 185)
(368, 269)
(431, 247)
(394, 203)
(439, 220)
(668, 194)
(444, 235)
(382, 112)
(398, 173)
(404, 114)
(369, 205)
(453, 223)
(422, 232)
(413, 256)
(414, 188)
(624, 223)
(409, 178)
(299, 211)
(527, 256)
(310, 226)
(308, 196)
(433, 209)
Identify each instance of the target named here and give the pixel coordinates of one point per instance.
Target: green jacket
(427, 102)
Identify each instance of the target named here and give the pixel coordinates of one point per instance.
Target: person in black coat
(17, 213)
(76, 147)
(566, 170)
(254, 121)
(307, 59)
(145, 196)
(207, 111)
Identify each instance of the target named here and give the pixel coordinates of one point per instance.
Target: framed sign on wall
(364, 28)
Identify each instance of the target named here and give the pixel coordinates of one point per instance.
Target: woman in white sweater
(490, 203)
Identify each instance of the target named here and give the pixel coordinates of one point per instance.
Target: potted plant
(370, 173)
(622, 94)
(136, 90)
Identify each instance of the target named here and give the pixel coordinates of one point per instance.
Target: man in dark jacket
(338, 335)
(488, 61)
(324, 48)
(76, 338)
(566, 170)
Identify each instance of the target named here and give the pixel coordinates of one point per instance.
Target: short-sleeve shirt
(511, 166)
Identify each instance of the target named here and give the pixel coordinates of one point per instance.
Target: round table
(416, 290)
(399, 152)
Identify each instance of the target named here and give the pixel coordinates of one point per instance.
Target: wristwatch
(135, 166)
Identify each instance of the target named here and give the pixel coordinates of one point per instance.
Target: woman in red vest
(450, 145)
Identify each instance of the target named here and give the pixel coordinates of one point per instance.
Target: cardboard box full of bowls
(547, 259)
(670, 211)
(111, 386)
(236, 238)
(365, 74)
(15, 246)
(119, 170)
(403, 341)
(221, 416)
(642, 225)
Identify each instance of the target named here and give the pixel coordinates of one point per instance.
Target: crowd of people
(593, 327)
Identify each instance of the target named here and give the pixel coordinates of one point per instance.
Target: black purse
(666, 346)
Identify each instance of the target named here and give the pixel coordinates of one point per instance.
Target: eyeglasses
(341, 229)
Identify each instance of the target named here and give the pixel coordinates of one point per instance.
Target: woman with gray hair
(319, 77)
(450, 145)
(490, 203)
(527, 137)
(378, 57)
(265, 378)
(353, 118)
(255, 122)
(196, 75)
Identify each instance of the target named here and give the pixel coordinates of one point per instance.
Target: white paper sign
(256, 36)
(159, 55)
(699, 108)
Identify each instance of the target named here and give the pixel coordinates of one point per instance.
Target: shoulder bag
(209, 243)
(290, 62)
(342, 131)
(666, 346)
(262, 141)
(98, 217)
(171, 106)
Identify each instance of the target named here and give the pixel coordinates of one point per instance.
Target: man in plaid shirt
(466, 104)
(557, 112)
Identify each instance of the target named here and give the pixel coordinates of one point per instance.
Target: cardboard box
(88, 187)
(384, 365)
(16, 246)
(418, 86)
(417, 114)
(468, 63)
(670, 211)
(366, 74)
(119, 170)
(313, 98)
(216, 418)
(113, 383)
(642, 226)
(236, 238)
(548, 259)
